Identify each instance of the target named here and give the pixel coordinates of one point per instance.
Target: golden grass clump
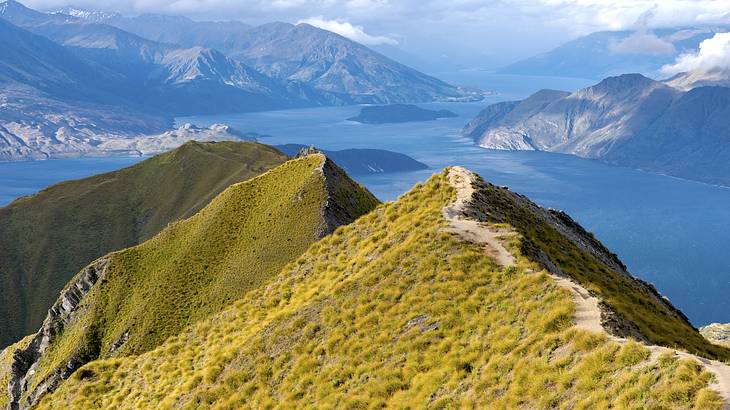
(382, 314)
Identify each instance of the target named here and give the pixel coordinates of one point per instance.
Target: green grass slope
(46, 238)
(393, 311)
(140, 296)
(637, 309)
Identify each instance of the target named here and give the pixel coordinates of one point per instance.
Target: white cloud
(591, 15)
(472, 32)
(642, 42)
(346, 29)
(713, 56)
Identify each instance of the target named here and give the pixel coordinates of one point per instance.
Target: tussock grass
(48, 237)
(653, 319)
(384, 314)
(199, 266)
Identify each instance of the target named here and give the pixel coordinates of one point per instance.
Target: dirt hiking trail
(587, 311)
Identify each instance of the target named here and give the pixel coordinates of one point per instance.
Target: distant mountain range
(340, 70)
(610, 53)
(71, 82)
(628, 120)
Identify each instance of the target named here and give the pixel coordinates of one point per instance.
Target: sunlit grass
(201, 265)
(383, 314)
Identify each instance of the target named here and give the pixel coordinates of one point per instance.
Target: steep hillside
(130, 301)
(46, 238)
(346, 71)
(37, 62)
(396, 310)
(627, 120)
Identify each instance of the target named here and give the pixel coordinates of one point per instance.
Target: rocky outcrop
(346, 199)
(360, 161)
(169, 140)
(718, 333)
(23, 395)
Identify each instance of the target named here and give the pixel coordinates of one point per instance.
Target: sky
(465, 33)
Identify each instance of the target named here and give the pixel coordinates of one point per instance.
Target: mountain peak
(131, 301)
(625, 81)
(93, 16)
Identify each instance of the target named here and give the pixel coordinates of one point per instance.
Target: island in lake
(358, 161)
(394, 113)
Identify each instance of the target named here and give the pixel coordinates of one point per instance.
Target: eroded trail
(587, 310)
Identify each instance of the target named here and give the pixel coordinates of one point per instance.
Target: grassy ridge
(392, 311)
(46, 238)
(657, 323)
(200, 265)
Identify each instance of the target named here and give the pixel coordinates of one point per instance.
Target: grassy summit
(130, 301)
(392, 310)
(46, 238)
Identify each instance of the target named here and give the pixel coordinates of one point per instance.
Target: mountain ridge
(121, 305)
(302, 55)
(627, 120)
(610, 53)
(51, 235)
(394, 309)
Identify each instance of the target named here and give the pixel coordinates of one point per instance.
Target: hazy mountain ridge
(341, 70)
(610, 53)
(627, 120)
(165, 78)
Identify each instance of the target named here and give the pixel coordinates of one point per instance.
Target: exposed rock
(342, 206)
(718, 333)
(23, 396)
(169, 140)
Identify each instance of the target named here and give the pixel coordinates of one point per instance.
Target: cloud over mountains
(713, 56)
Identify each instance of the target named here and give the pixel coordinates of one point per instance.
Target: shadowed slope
(46, 238)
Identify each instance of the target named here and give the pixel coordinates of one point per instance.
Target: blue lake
(671, 232)
(27, 177)
(668, 231)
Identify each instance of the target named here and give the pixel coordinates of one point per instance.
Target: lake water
(671, 232)
(27, 177)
